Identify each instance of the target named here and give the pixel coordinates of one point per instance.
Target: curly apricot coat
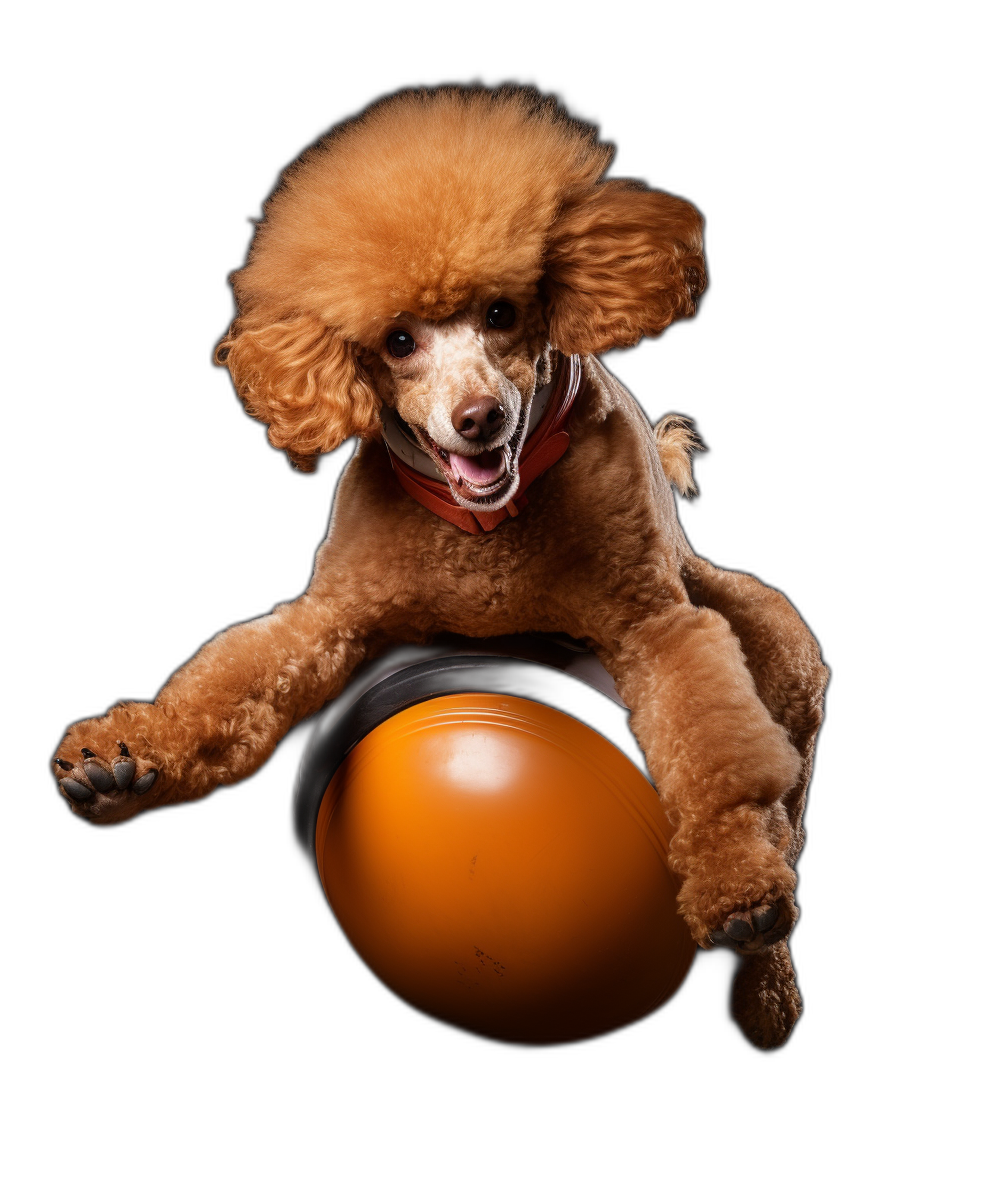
(429, 201)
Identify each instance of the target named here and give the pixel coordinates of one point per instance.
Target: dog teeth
(485, 491)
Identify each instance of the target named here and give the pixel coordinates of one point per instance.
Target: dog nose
(477, 419)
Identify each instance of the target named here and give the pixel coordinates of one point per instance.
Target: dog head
(430, 256)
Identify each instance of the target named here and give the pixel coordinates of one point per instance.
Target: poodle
(437, 277)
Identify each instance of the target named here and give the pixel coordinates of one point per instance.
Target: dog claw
(75, 789)
(142, 784)
(97, 782)
(738, 928)
(765, 918)
(99, 777)
(719, 938)
(123, 771)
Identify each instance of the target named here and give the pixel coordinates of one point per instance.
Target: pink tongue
(478, 470)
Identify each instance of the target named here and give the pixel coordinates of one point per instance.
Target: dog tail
(677, 440)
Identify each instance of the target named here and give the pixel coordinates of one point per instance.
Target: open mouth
(474, 480)
(483, 474)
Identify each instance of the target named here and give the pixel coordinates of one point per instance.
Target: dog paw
(751, 928)
(102, 789)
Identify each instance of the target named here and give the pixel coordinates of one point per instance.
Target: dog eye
(501, 315)
(400, 344)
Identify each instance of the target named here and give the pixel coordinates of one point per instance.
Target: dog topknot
(425, 198)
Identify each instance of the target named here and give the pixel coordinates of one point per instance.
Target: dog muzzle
(545, 442)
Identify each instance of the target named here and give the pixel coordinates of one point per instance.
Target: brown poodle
(443, 271)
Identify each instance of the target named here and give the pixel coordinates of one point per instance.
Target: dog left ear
(623, 262)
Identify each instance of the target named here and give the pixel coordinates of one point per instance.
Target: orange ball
(502, 866)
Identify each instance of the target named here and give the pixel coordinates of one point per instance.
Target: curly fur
(422, 199)
(426, 202)
(624, 262)
(302, 380)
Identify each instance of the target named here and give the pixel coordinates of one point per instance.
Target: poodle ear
(622, 262)
(303, 380)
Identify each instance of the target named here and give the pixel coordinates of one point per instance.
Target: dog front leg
(217, 718)
(723, 767)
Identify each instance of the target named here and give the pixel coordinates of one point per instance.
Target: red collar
(543, 448)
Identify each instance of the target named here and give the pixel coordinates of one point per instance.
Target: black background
(161, 515)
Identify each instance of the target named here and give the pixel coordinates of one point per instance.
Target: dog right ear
(303, 380)
(623, 261)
